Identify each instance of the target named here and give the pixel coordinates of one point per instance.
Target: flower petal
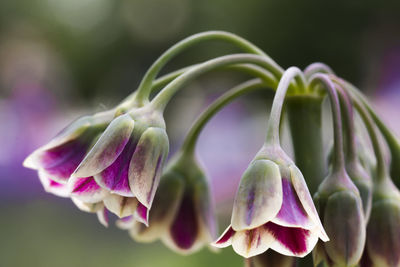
(291, 241)
(125, 223)
(259, 197)
(166, 202)
(86, 189)
(107, 149)
(301, 188)
(115, 177)
(121, 206)
(249, 243)
(141, 214)
(184, 230)
(52, 186)
(103, 216)
(225, 239)
(292, 213)
(87, 207)
(146, 164)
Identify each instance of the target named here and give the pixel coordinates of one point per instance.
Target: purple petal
(52, 186)
(86, 189)
(60, 162)
(125, 223)
(185, 229)
(225, 239)
(107, 149)
(142, 214)
(115, 177)
(292, 213)
(291, 238)
(146, 164)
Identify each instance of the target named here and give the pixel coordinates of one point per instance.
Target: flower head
(115, 158)
(273, 209)
(182, 216)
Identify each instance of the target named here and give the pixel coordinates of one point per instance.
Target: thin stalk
(161, 100)
(272, 137)
(145, 85)
(192, 136)
(338, 159)
(382, 171)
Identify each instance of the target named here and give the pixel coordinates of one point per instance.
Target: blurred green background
(63, 58)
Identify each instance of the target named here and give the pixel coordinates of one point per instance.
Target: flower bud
(341, 209)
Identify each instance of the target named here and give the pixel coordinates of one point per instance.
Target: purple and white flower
(183, 215)
(273, 209)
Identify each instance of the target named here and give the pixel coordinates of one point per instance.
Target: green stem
(191, 138)
(348, 121)
(315, 68)
(145, 85)
(244, 68)
(305, 119)
(381, 169)
(272, 137)
(338, 159)
(162, 99)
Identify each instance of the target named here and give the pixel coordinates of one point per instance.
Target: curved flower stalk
(273, 207)
(183, 213)
(338, 200)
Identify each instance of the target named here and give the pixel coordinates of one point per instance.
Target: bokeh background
(63, 58)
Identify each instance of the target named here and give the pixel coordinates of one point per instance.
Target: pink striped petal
(304, 196)
(115, 177)
(225, 239)
(52, 186)
(107, 149)
(86, 189)
(292, 213)
(146, 164)
(249, 243)
(291, 241)
(142, 214)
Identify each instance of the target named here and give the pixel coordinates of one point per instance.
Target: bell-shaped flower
(126, 162)
(273, 209)
(58, 159)
(182, 215)
(340, 207)
(383, 231)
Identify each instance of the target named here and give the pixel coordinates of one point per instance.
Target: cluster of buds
(113, 163)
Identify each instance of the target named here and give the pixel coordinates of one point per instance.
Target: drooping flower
(273, 209)
(182, 216)
(114, 158)
(340, 207)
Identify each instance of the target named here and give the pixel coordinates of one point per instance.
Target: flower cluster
(112, 163)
